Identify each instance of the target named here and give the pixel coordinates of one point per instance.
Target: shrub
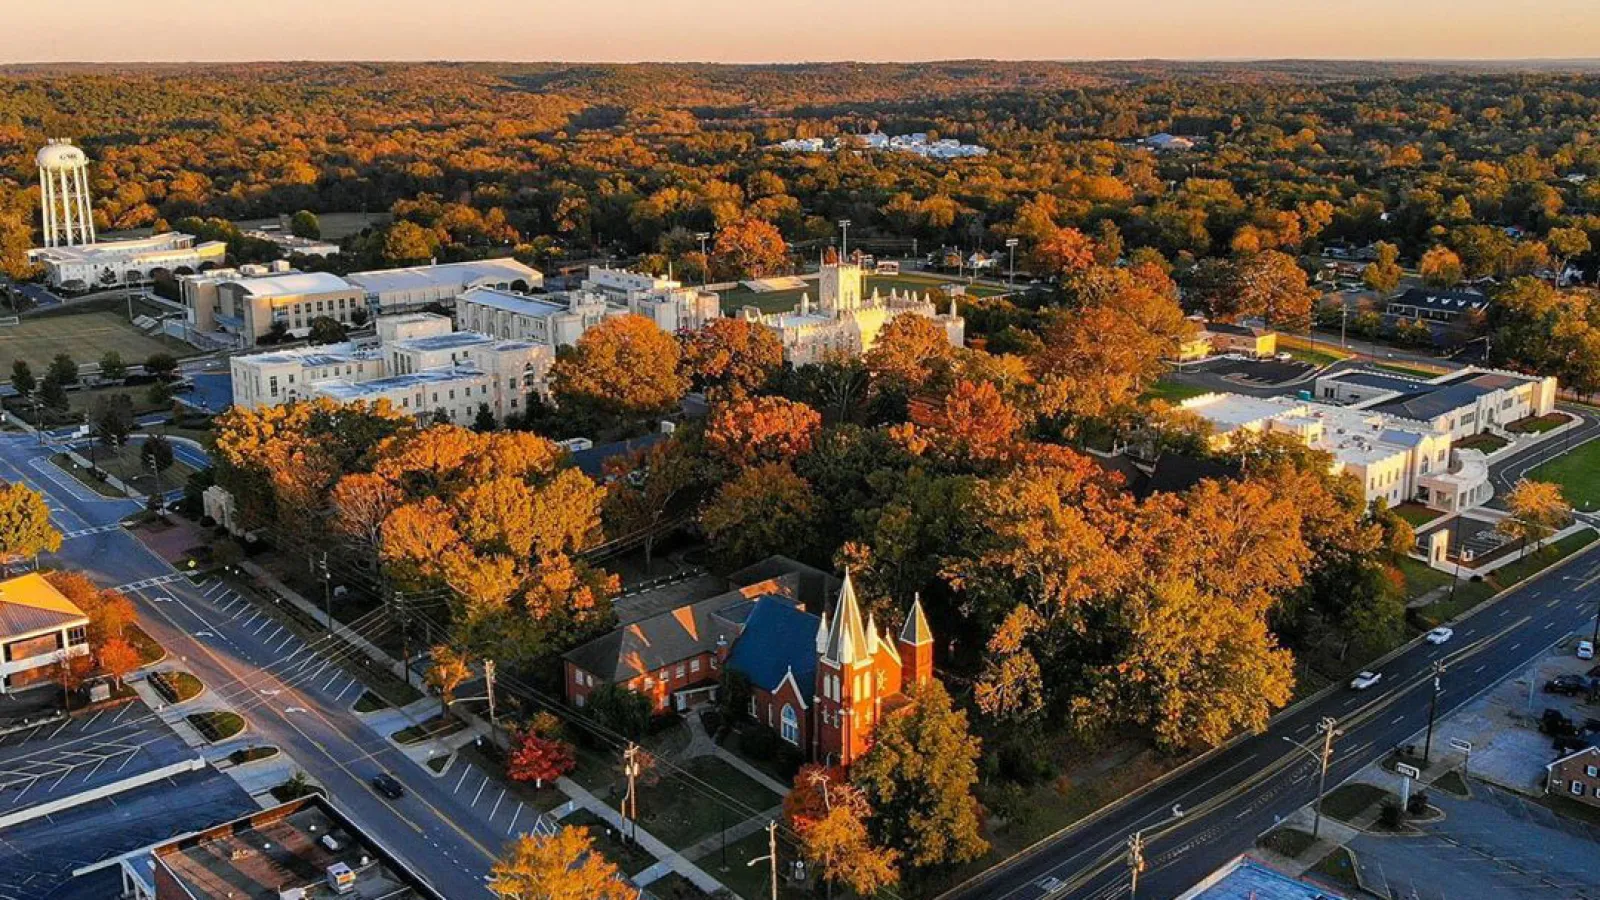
(1391, 816)
(1418, 804)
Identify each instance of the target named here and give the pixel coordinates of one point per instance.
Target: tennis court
(83, 336)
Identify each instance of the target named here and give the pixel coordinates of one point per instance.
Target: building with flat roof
(292, 244)
(550, 320)
(417, 363)
(671, 305)
(300, 850)
(845, 321)
(1464, 403)
(86, 267)
(1395, 459)
(39, 627)
(412, 288)
(1244, 878)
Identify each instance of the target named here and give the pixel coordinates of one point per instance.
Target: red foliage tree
(540, 759)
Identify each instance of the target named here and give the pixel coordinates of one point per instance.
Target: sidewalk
(678, 862)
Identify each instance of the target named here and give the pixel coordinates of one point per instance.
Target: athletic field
(84, 336)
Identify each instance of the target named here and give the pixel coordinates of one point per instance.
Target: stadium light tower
(64, 194)
(844, 246)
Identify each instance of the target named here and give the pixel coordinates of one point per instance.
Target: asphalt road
(1242, 790)
(289, 693)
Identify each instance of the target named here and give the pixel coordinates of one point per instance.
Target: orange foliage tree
(762, 429)
(623, 367)
(731, 357)
(749, 248)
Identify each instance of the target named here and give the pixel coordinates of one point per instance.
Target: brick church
(822, 683)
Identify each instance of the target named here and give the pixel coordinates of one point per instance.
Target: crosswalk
(85, 532)
(151, 582)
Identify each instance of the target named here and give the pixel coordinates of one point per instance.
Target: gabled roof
(656, 642)
(916, 630)
(779, 638)
(29, 603)
(1571, 756)
(847, 638)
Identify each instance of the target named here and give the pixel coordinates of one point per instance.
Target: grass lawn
(1416, 514)
(1541, 559)
(84, 336)
(1578, 473)
(149, 650)
(126, 465)
(1485, 442)
(675, 887)
(1301, 349)
(1338, 867)
(436, 727)
(217, 725)
(1539, 424)
(753, 881)
(680, 810)
(626, 855)
(1451, 782)
(1172, 392)
(176, 687)
(1290, 842)
(370, 702)
(1421, 577)
(784, 301)
(85, 476)
(1348, 802)
(437, 763)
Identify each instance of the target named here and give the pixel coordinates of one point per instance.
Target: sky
(789, 31)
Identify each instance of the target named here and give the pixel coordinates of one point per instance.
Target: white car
(1364, 680)
(1440, 635)
(1585, 650)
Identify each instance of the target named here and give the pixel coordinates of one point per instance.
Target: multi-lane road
(1231, 796)
(292, 693)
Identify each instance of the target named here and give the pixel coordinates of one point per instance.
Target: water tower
(64, 194)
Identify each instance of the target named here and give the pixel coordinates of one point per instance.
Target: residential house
(1436, 306)
(1575, 776)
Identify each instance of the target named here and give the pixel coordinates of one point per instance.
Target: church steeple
(847, 638)
(916, 647)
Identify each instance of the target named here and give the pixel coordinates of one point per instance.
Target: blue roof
(1249, 880)
(778, 637)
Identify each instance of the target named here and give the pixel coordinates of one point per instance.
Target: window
(752, 707)
(679, 673)
(1577, 788)
(76, 636)
(578, 701)
(694, 665)
(1592, 771)
(791, 725)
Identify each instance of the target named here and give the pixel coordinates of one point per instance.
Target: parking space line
(92, 718)
(274, 634)
(464, 771)
(279, 648)
(262, 627)
(347, 688)
(480, 790)
(497, 804)
(331, 679)
(513, 826)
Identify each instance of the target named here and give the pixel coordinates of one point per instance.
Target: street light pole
(327, 592)
(1433, 704)
(1011, 276)
(1330, 730)
(705, 258)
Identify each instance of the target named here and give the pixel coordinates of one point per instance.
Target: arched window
(791, 725)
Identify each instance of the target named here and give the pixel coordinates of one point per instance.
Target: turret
(916, 647)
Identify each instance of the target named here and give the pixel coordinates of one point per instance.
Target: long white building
(1395, 459)
(1464, 403)
(558, 319)
(409, 289)
(85, 267)
(417, 363)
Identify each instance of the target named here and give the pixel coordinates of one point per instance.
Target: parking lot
(87, 751)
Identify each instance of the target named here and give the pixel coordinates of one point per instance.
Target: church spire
(847, 638)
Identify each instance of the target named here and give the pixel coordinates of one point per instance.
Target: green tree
(326, 330)
(624, 711)
(53, 394)
(112, 368)
(64, 370)
(763, 510)
(156, 453)
(918, 779)
(22, 377)
(112, 419)
(483, 420)
(305, 224)
(161, 364)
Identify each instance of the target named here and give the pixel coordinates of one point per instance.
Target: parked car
(1440, 635)
(1365, 680)
(388, 785)
(1555, 722)
(1567, 685)
(1585, 650)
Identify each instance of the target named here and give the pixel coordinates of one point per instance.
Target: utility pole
(630, 767)
(1329, 727)
(1344, 316)
(405, 633)
(772, 855)
(488, 678)
(327, 592)
(1433, 704)
(1135, 862)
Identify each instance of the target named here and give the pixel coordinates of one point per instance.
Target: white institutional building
(72, 257)
(845, 322)
(1395, 459)
(559, 319)
(417, 363)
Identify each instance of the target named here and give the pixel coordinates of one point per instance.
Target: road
(290, 693)
(1236, 793)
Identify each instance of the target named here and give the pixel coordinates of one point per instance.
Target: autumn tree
(908, 354)
(761, 430)
(25, 527)
(109, 611)
(645, 488)
(918, 779)
(1383, 274)
(624, 367)
(749, 248)
(1062, 253)
(1537, 509)
(729, 357)
(830, 815)
(448, 669)
(539, 758)
(560, 866)
(973, 426)
(1272, 285)
(1566, 243)
(117, 658)
(763, 510)
(1440, 267)
(407, 243)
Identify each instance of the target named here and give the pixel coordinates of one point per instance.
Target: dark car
(1570, 685)
(388, 785)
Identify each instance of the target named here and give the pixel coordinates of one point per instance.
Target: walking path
(678, 862)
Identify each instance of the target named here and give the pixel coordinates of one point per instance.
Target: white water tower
(64, 194)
